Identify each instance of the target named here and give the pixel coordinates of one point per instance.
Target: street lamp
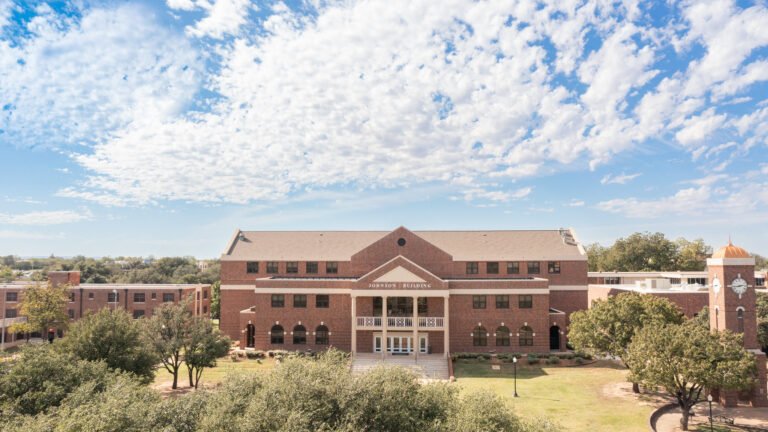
(709, 399)
(514, 365)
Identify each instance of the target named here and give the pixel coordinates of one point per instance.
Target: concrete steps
(428, 367)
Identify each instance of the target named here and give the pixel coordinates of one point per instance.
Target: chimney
(57, 278)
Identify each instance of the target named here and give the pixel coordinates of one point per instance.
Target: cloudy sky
(159, 127)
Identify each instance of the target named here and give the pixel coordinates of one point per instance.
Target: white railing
(7, 322)
(431, 322)
(369, 322)
(400, 322)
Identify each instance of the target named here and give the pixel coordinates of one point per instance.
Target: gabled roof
(519, 245)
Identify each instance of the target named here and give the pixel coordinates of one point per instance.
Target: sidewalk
(742, 415)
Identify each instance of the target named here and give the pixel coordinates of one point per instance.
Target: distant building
(138, 299)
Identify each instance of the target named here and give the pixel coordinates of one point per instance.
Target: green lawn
(580, 398)
(213, 376)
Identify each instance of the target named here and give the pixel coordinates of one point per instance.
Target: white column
(416, 328)
(446, 327)
(354, 325)
(384, 327)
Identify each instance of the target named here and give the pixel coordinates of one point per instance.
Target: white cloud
(75, 82)
(496, 195)
(618, 179)
(26, 235)
(6, 8)
(576, 203)
(697, 128)
(56, 217)
(223, 17)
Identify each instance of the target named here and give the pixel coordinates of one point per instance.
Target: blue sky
(151, 127)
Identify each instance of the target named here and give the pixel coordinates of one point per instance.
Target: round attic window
(401, 241)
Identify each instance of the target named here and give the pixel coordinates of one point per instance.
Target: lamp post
(709, 399)
(514, 365)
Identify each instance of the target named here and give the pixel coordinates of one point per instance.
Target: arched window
(526, 336)
(299, 335)
(480, 336)
(502, 336)
(321, 335)
(740, 320)
(277, 334)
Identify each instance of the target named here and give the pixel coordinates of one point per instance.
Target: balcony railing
(400, 322)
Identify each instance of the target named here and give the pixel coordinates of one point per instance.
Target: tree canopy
(204, 344)
(44, 306)
(649, 252)
(114, 337)
(687, 358)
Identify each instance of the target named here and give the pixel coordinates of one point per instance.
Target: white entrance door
(423, 344)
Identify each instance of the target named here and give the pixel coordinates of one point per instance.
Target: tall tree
(203, 346)
(692, 255)
(641, 252)
(687, 358)
(596, 257)
(216, 300)
(115, 338)
(167, 333)
(44, 306)
(608, 326)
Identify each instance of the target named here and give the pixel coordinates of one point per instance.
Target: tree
(761, 262)
(641, 252)
(6, 274)
(41, 377)
(687, 358)
(762, 319)
(203, 346)
(692, 255)
(596, 257)
(216, 300)
(608, 326)
(114, 337)
(167, 333)
(45, 307)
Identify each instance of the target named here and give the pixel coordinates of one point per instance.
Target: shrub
(533, 359)
(578, 360)
(233, 357)
(553, 360)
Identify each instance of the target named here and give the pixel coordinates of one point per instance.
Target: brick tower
(733, 306)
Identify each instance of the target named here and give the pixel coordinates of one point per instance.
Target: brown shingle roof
(462, 245)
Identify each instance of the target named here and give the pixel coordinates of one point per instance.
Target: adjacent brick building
(138, 299)
(402, 291)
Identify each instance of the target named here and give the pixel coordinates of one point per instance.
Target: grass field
(584, 398)
(213, 376)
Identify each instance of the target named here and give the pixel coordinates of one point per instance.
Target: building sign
(399, 285)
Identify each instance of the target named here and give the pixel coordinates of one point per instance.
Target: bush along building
(138, 299)
(402, 292)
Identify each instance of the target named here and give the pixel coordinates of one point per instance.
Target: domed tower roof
(731, 251)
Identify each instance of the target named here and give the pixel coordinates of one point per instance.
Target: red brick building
(402, 291)
(138, 299)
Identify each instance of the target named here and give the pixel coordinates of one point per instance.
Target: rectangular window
(699, 281)
(760, 281)
(332, 267)
(502, 302)
(71, 313)
(533, 268)
(472, 267)
(138, 297)
(299, 300)
(525, 302)
(11, 296)
(205, 294)
(513, 267)
(553, 267)
(292, 267)
(614, 281)
(154, 296)
(138, 313)
(90, 296)
(322, 301)
(113, 297)
(271, 266)
(10, 313)
(312, 267)
(198, 296)
(492, 268)
(205, 309)
(167, 297)
(72, 297)
(252, 267)
(478, 302)
(278, 300)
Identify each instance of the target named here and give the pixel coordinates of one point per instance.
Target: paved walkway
(751, 418)
(430, 367)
